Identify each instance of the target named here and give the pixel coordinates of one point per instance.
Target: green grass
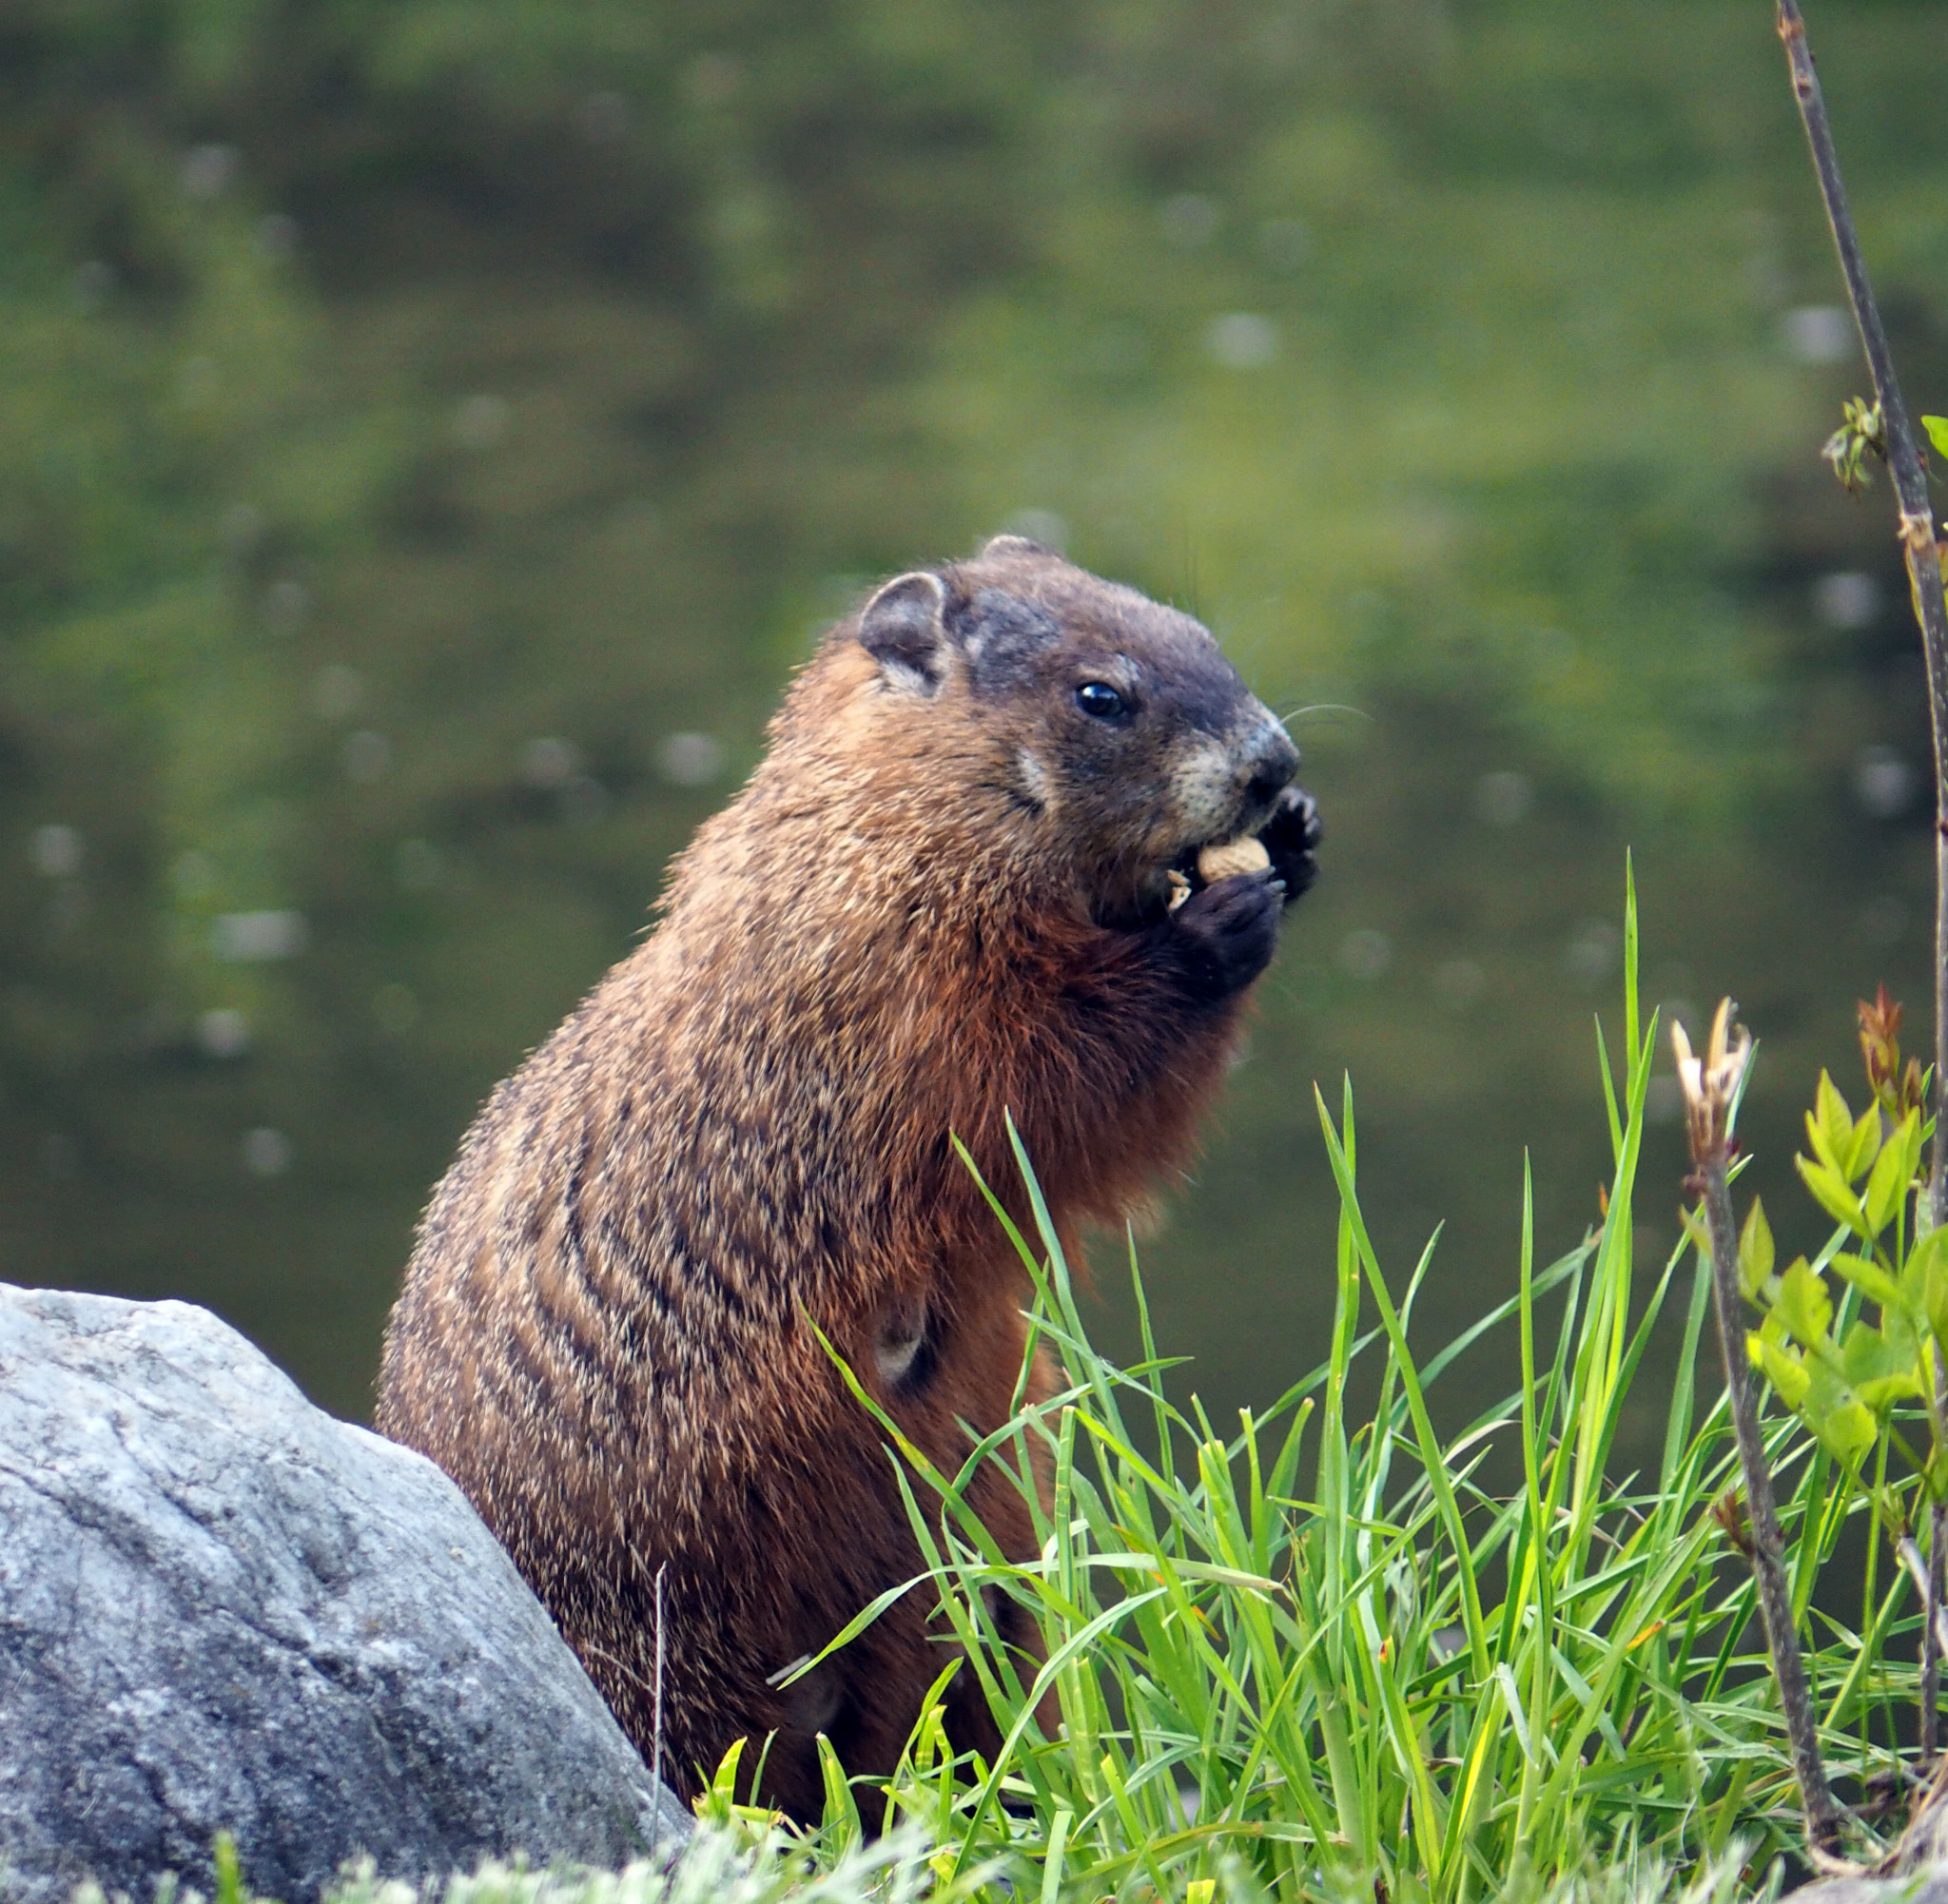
(726, 1868)
(1313, 1653)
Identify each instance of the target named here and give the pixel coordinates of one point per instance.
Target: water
(402, 557)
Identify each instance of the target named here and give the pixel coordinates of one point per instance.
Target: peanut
(1229, 858)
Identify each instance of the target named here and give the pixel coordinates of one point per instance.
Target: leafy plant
(1845, 1387)
(1868, 1389)
(1861, 431)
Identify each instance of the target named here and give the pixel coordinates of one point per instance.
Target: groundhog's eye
(1100, 699)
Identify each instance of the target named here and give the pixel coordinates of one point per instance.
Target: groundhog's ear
(902, 630)
(1014, 545)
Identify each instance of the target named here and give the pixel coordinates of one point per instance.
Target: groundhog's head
(1108, 727)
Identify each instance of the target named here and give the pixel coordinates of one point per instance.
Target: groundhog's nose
(1271, 763)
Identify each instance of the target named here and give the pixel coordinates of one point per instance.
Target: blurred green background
(431, 431)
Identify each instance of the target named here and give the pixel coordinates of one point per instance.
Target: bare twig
(1918, 1572)
(1710, 1086)
(1909, 470)
(1931, 1632)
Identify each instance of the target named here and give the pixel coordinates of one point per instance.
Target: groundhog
(961, 885)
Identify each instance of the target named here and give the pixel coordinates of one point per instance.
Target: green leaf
(1848, 1433)
(1782, 1368)
(1880, 1393)
(1829, 1124)
(1877, 1369)
(1889, 1182)
(1755, 1252)
(1830, 1189)
(1870, 1280)
(1925, 1276)
(1864, 1144)
(1910, 1134)
(842, 1808)
(1937, 428)
(229, 1871)
(1803, 1305)
(1902, 1328)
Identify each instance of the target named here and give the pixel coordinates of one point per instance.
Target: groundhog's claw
(1225, 934)
(1290, 837)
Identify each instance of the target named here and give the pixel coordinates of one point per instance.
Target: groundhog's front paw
(1290, 837)
(1225, 934)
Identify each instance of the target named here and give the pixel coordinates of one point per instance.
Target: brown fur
(939, 899)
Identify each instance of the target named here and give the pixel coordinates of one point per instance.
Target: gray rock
(1929, 1886)
(223, 1610)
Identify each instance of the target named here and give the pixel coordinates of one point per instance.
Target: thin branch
(1918, 1572)
(1768, 1544)
(1710, 1086)
(1932, 1632)
(1909, 470)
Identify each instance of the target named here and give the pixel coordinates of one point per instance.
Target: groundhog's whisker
(1327, 708)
